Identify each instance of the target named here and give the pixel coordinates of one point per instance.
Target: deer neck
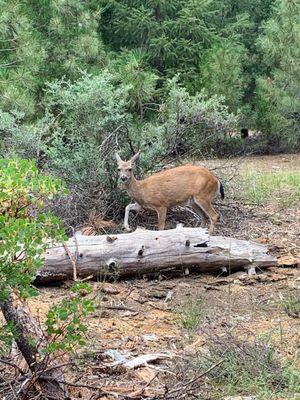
(133, 188)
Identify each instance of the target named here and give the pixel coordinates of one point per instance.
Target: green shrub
(196, 123)
(247, 368)
(26, 231)
(90, 108)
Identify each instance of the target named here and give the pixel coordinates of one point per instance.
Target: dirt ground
(140, 317)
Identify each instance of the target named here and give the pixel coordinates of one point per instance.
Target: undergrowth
(290, 302)
(282, 187)
(191, 314)
(249, 368)
(231, 366)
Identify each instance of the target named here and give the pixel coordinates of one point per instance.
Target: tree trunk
(146, 251)
(30, 341)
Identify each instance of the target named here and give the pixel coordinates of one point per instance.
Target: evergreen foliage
(174, 78)
(215, 77)
(173, 34)
(278, 94)
(22, 56)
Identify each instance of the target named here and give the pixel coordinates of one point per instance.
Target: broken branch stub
(145, 251)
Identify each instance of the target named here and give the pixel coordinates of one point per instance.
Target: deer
(184, 185)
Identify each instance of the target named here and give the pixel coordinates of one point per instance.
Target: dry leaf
(288, 261)
(145, 373)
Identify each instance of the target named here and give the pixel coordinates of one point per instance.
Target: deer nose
(123, 178)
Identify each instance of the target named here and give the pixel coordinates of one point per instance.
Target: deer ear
(118, 158)
(135, 157)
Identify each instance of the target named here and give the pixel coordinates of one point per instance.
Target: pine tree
(130, 71)
(278, 92)
(222, 73)
(174, 34)
(42, 41)
(21, 59)
(69, 30)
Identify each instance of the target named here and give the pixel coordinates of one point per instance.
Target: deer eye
(119, 169)
(129, 169)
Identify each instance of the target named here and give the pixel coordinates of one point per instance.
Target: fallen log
(144, 251)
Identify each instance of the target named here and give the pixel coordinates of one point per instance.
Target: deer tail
(221, 190)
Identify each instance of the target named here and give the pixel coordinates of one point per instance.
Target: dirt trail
(150, 324)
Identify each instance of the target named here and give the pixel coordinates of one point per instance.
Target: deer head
(125, 167)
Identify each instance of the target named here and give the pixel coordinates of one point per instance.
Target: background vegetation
(79, 79)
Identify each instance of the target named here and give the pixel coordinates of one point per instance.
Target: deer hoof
(127, 228)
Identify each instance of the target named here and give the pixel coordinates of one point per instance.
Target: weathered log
(145, 251)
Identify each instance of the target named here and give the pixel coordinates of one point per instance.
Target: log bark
(145, 251)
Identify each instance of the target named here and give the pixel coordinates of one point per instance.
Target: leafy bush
(92, 122)
(64, 324)
(89, 109)
(196, 123)
(26, 231)
(87, 120)
(18, 139)
(90, 174)
(90, 118)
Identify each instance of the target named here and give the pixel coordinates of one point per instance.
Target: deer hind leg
(130, 207)
(208, 209)
(198, 210)
(161, 215)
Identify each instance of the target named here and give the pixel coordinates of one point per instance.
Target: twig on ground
(192, 381)
(59, 366)
(12, 365)
(121, 308)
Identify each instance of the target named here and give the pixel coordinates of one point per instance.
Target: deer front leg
(130, 207)
(161, 214)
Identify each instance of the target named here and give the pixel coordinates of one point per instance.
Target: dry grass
(231, 366)
(282, 187)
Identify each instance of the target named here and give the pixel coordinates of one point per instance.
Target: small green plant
(261, 187)
(291, 304)
(247, 368)
(7, 334)
(191, 314)
(64, 321)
